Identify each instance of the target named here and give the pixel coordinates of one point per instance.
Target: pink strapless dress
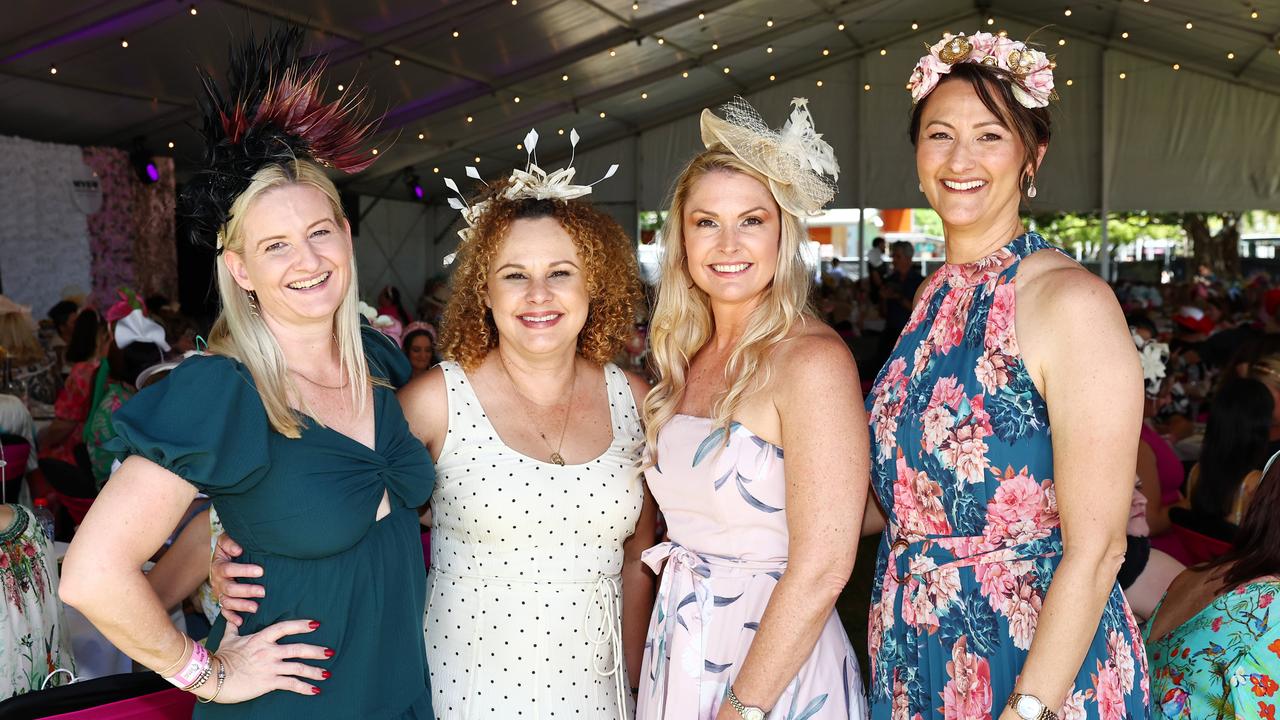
(727, 523)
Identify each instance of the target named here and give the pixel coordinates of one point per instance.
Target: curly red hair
(609, 262)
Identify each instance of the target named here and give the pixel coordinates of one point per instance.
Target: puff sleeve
(385, 359)
(205, 423)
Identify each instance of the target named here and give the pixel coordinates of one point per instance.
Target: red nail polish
(315, 691)
(313, 624)
(328, 653)
(326, 674)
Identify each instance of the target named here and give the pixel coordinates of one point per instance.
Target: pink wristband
(195, 667)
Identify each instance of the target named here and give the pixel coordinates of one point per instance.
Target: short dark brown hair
(468, 332)
(994, 87)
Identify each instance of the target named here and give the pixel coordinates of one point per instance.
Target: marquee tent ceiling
(464, 79)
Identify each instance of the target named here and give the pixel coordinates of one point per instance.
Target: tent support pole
(1104, 182)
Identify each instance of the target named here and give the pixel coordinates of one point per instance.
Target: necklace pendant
(557, 459)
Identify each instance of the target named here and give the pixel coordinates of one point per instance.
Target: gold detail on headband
(990, 60)
(1020, 63)
(956, 50)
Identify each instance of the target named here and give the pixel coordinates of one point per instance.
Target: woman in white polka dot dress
(536, 580)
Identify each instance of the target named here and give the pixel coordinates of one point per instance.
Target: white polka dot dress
(523, 598)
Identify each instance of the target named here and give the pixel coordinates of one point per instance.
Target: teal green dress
(304, 510)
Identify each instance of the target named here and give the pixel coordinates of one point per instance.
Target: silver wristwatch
(747, 713)
(1029, 707)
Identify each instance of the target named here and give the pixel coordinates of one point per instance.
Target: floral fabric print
(34, 640)
(962, 462)
(73, 404)
(1224, 662)
(100, 430)
(723, 494)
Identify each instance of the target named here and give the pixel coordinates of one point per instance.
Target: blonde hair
(240, 333)
(18, 339)
(682, 322)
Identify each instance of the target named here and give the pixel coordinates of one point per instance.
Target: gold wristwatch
(1030, 707)
(747, 713)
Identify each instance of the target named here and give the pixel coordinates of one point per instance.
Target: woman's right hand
(234, 597)
(257, 664)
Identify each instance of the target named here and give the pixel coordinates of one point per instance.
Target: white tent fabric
(44, 235)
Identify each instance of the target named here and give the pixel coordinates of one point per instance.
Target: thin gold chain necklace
(556, 457)
(345, 382)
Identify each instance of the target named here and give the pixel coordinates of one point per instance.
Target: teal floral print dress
(962, 463)
(1224, 662)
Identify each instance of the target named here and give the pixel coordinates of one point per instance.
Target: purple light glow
(110, 26)
(418, 192)
(153, 172)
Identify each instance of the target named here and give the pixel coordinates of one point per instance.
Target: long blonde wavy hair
(241, 334)
(682, 322)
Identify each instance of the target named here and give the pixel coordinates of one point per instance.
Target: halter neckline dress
(962, 463)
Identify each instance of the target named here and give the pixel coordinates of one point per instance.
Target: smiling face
(419, 352)
(969, 162)
(731, 228)
(296, 255)
(537, 289)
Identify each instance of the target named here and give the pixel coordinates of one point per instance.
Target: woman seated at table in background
(34, 639)
(1221, 486)
(1214, 642)
(33, 370)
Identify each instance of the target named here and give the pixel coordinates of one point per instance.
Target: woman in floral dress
(995, 592)
(34, 639)
(1215, 638)
(759, 546)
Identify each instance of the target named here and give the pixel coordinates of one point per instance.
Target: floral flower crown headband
(532, 183)
(1030, 70)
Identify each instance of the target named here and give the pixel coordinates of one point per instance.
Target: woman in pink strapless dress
(758, 547)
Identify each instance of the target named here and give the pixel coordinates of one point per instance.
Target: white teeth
(731, 268)
(308, 284)
(540, 318)
(972, 184)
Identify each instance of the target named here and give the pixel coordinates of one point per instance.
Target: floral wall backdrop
(131, 237)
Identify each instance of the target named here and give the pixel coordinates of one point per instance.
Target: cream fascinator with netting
(796, 159)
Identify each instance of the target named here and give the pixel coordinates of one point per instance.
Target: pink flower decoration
(1032, 84)
(1265, 600)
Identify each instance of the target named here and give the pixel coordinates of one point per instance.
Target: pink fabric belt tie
(685, 596)
(920, 555)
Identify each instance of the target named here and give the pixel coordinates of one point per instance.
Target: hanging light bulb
(726, 69)
(1067, 12)
(1125, 35)
(769, 49)
(470, 119)
(702, 16)
(1189, 25)
(193, 10)
(124, 43)
(715, 46)
(644, 96)
(915, 26)
(684, 74)
(53, 69)
(867, 87)
(422, 136)
(1123, 76)
(1070, 82)
(1231, 56)
(1062, 41)
(840, 27)
(565, 78)
(991, 21)
(456, 33)
(884, 51)
(170, 144)
(768, 22)
(772, 78)
(819, 83)
(826, 52)
(397, 62)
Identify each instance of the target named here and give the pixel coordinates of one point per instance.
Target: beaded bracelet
(222, 677)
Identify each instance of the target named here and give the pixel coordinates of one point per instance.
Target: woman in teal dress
(995, 591)
(1214, 640)
(290, 424)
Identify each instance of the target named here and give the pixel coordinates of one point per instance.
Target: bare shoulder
(813, 352)
(424, 394)
(1054, 281)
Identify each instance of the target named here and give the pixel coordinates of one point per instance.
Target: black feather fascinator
(272, 111)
